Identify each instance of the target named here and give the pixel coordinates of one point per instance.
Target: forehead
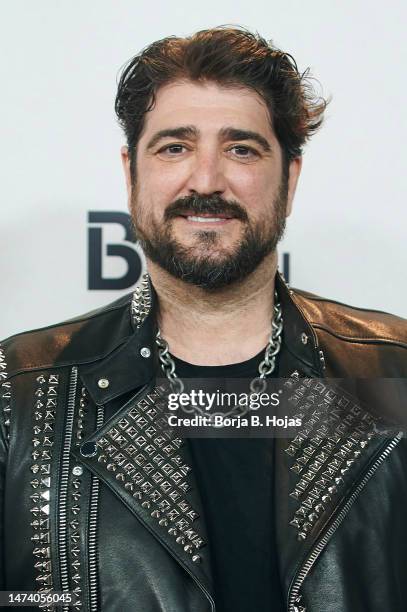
(209, 106)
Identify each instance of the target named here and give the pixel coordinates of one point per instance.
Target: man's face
(209, 200)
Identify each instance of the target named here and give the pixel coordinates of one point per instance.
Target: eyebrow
(227, 133)
(185, 131)
(230, 133)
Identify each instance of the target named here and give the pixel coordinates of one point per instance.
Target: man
(101, 502)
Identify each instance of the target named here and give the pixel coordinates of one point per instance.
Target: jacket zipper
(94, 497)
(63, 492)
(305, 569)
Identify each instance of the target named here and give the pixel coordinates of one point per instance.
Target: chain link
(257, 385)
(168, 364)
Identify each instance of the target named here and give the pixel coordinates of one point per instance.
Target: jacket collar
(126, 369)
(299, 337)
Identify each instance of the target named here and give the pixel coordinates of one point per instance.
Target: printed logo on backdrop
(114, 260)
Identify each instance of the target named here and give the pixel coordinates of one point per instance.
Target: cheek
(254, 187)
(160, 184)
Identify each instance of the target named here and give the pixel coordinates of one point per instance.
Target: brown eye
(172, 150)
(175, 149)
(244, 152)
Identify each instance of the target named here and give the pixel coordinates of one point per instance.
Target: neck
(216, 328)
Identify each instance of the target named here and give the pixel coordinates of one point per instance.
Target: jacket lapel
(148, 469)
(317, 470)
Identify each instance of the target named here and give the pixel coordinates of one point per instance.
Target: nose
(207, 175)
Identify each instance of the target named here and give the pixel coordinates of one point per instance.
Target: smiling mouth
(207, 217)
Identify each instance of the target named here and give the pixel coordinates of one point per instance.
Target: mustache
(199, 204)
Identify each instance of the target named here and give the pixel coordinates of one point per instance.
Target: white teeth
(205, 219)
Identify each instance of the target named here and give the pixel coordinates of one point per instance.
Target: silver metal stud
(77, 470)
(304, 338)
(103, 383)
(145, 352)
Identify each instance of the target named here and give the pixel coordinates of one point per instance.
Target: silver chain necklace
(257, 385)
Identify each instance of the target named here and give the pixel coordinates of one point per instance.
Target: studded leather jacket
(97, 501)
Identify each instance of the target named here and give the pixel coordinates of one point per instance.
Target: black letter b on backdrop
(96, 252)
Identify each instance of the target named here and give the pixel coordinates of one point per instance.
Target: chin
(216, 254)
(209, 243)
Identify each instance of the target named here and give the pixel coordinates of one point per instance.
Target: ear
(294, 171)
(124, 152)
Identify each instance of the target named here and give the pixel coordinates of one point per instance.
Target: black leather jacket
(96, 501)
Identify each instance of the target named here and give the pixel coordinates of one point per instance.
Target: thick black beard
(206, 271)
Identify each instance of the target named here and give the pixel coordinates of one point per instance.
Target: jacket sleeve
(5, 400)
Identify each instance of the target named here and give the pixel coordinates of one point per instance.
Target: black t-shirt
(235, 480)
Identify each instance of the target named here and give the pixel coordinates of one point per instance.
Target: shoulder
(368, 342)
(350, 322)
(84, 338)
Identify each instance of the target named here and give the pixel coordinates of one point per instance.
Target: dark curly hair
(230, 56)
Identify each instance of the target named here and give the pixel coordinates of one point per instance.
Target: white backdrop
(60, 144)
